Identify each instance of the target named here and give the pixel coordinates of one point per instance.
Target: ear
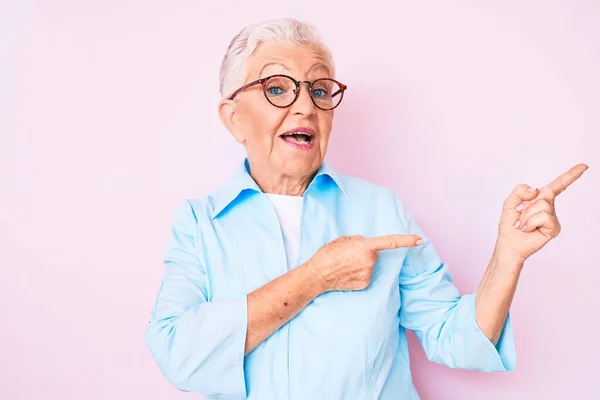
(227, 110)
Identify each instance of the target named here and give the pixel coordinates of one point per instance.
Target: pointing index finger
(564, 180)
(390, 242)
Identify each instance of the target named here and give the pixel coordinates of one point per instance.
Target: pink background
(108, 120)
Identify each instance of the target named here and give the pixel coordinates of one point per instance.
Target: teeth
(297, 133)
(302, 138)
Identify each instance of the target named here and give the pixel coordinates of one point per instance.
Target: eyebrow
(271, 63)
(320, 65)
(314, 67)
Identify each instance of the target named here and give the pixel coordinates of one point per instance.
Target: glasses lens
(326, 93)
(280, 91)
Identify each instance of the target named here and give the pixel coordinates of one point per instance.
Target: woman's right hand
(347, 262)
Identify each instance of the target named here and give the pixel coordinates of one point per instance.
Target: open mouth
(297, 138)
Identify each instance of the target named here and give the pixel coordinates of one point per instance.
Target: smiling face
(285, 146)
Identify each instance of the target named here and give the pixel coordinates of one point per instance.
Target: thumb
(394, 241)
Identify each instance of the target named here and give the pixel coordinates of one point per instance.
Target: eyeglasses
(282, 91)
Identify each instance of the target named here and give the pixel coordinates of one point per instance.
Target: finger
(547, 223)
(536, 207)
(563, 181)
(544, 193)
(390, 242)
(519, 194)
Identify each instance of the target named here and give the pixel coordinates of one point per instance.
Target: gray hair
(249, 39)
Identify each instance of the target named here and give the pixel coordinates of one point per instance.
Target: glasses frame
(263, 81)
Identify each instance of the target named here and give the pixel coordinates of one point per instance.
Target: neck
(270, 181)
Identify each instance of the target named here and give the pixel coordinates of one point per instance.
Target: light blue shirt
(344, 344)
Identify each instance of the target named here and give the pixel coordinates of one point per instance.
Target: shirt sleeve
(198, 344)
(443, 320)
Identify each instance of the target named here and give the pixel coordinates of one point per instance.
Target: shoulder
(192, 211)
(356, 186)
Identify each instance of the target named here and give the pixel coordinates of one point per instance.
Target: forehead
(299, 61)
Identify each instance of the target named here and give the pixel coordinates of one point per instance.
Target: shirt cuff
(499, 358)
(226, 376)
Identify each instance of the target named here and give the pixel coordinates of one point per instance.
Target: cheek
(325, 124)
(261, 123)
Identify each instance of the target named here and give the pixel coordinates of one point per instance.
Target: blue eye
(319, 93)
(274, 90)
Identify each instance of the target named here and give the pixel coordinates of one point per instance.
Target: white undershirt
(289, 212)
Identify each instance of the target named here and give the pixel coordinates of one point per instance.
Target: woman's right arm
(200, 345)
(346, 263)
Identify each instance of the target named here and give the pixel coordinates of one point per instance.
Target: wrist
(315, 283)
(506, 260)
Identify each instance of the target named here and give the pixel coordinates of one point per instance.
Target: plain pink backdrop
(108, 120)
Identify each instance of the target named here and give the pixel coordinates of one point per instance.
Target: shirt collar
(241, 185)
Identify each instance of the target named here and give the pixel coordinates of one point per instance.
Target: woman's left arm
(474, 331)
(528, 222)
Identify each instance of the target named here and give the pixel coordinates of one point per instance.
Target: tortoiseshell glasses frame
(341, 88)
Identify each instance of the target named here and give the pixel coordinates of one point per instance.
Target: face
(266, 130)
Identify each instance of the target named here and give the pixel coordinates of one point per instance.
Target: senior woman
(294, 281)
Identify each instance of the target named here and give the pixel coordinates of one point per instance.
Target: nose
(304, 104)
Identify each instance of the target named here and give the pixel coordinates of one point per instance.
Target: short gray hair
(245, 43)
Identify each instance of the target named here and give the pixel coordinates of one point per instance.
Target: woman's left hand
(528, 219)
